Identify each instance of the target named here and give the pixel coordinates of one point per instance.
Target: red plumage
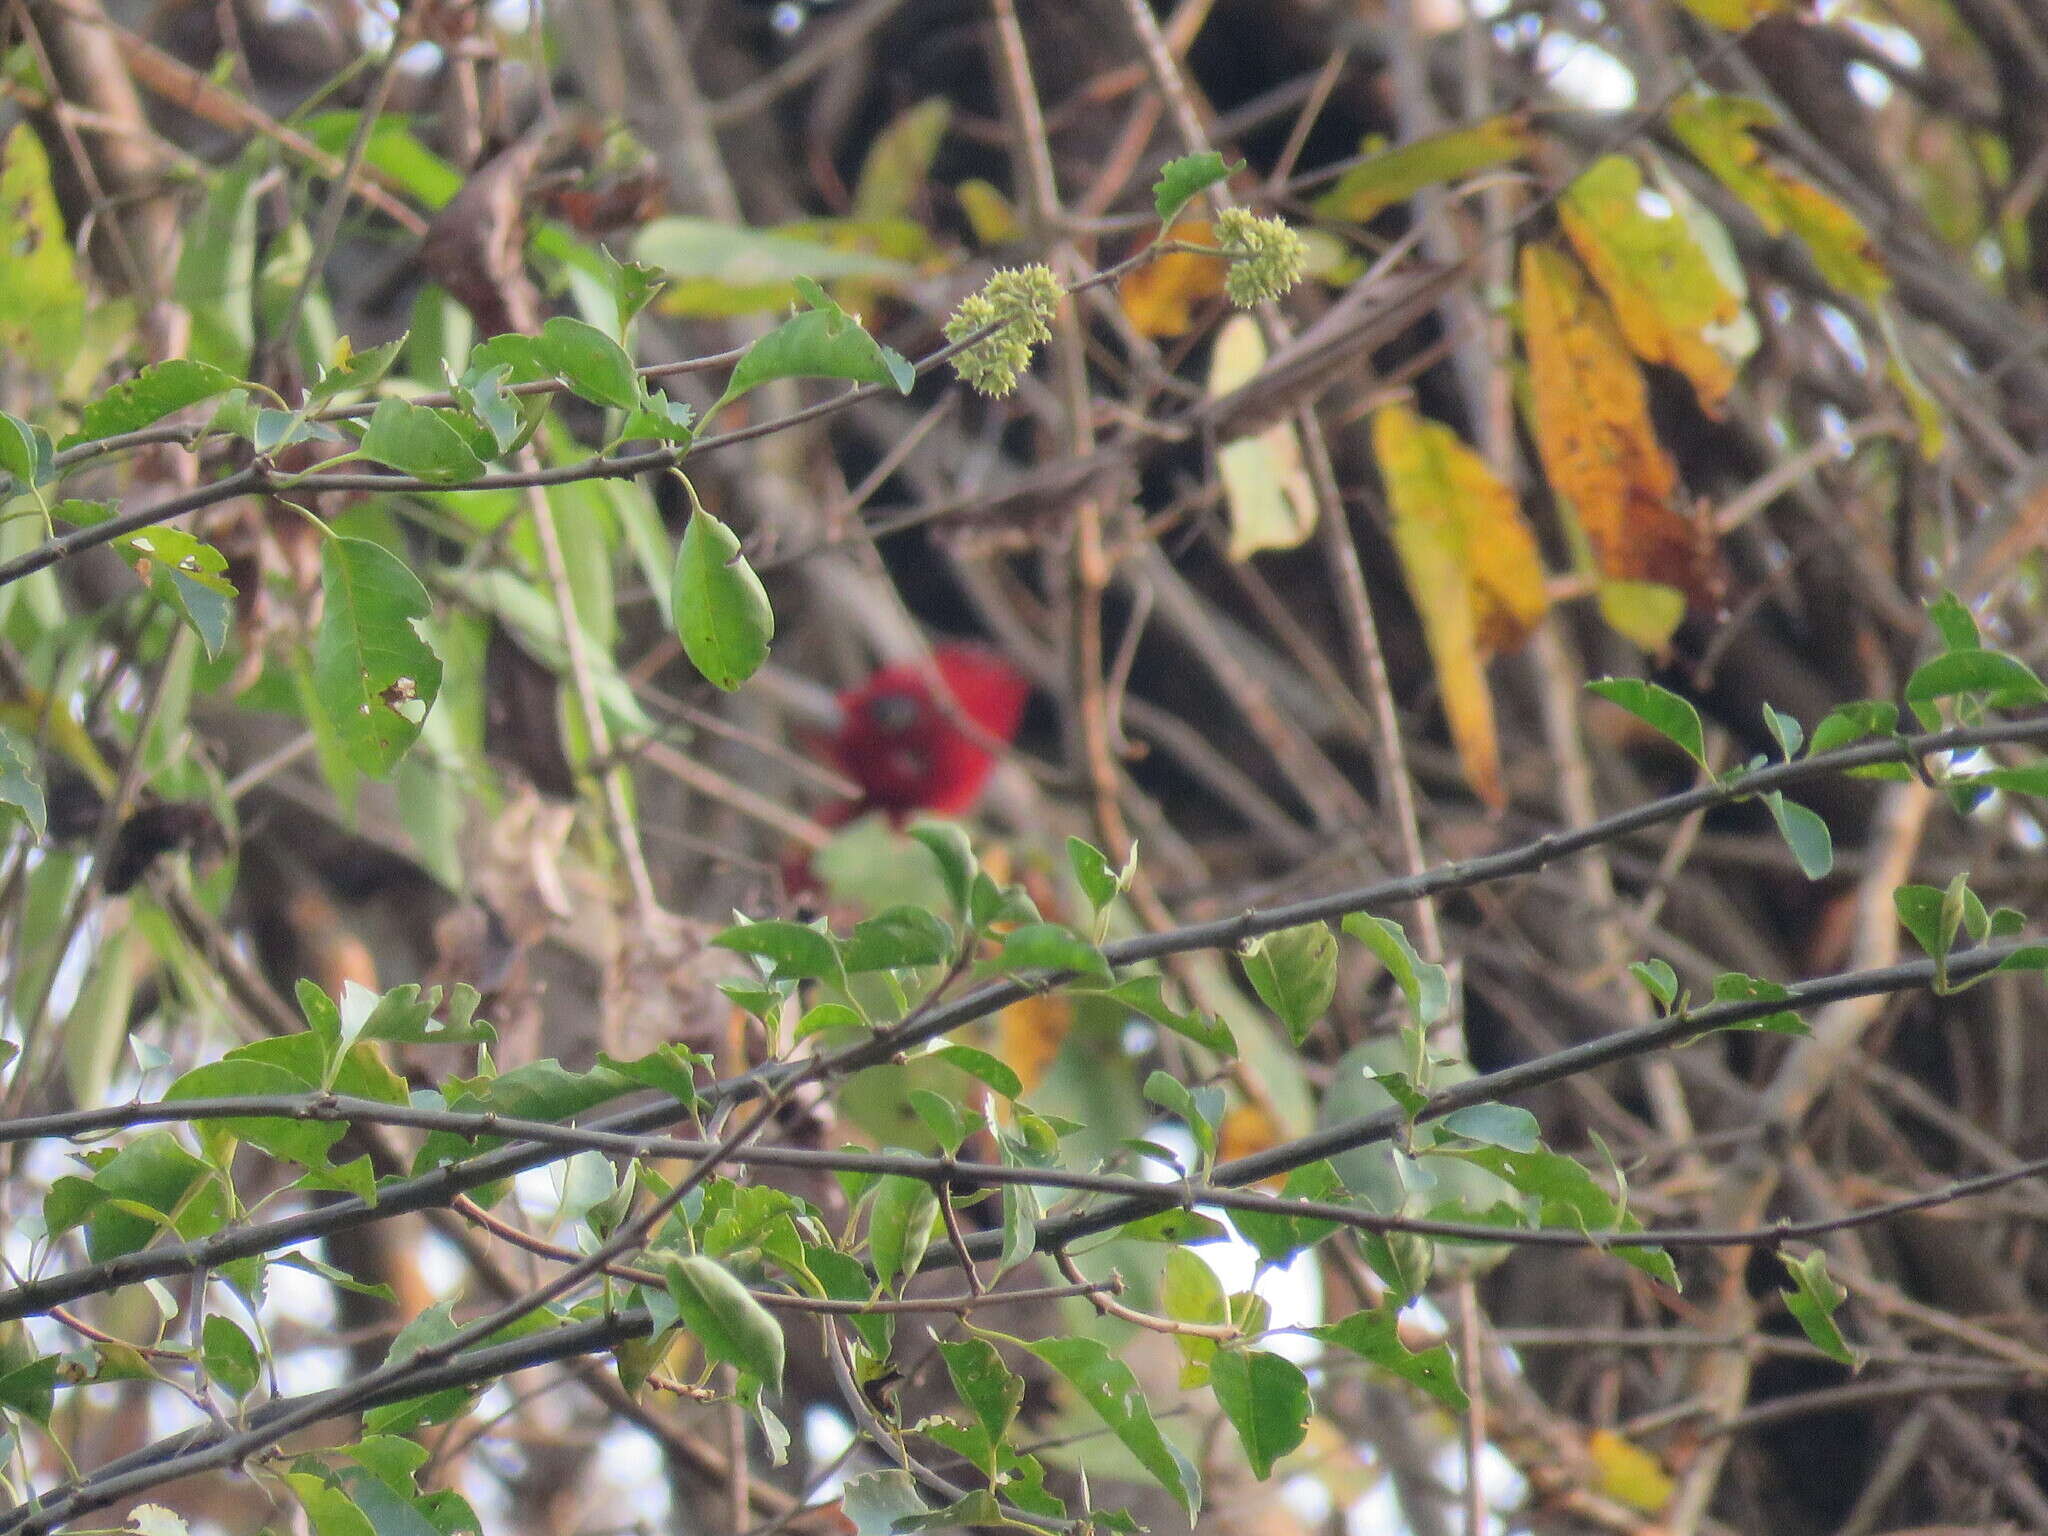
(907, 752)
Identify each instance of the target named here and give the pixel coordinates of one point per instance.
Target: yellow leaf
(1246, 1129)
(1029, 1035)
(42, 302)
(1661, 284)
(1472, 568)
(989, 213)
(1266, 487)
(1160, 296)
(1718, 131)
(1591, 416)
(1733, 15)
(1397, 175)
(1629, 1473)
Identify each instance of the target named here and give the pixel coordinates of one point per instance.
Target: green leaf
(989, 1389)
(1919, 909)
(25, 452)
(1200, 1114)
(149, 396)
(954, 854)
(1182, 181)
(900, 1227)
(188, 575)
(794, 949)
(151, 1184)
(1496, 1125)
(1735, 987)
(1049, 947)
(18, 786)
(723, 269)
(1853, 722)
(721, 609)
(1957, 626)
(633, 284)
(979, 1064)
(1265, 1397)
(373, 674)
(1294, 972)
(1660, 709)
(424, 443)
(1279, 1238)
(2006, 682)
(1394, 176)
(1107, 1385)
(590, 363)
(230, 1356)
(1813, 1300)
(1422, 983)
(896, 938)
(1376, 1336)
(1805, 833)
(1189, 1292)
(1785, 731)
(356, 370)
(730, 1325)
(1658, 979)
(1146, 995)
(305, 1142)
(1092, 872)
(875, 1501)
(823, 342)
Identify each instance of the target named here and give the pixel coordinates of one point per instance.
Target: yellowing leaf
(1644, 613)
(1472, 568)
(1592, 425)
(989, 213)
(1266, 486)
(1662, 286)
(1160, 297)
(1718, 131)
(1397, 175)
(42, 303)
(899, 160)
(1629, 1473)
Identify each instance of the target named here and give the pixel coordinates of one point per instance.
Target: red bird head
(907, 752)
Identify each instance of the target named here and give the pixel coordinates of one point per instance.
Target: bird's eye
(893, 712)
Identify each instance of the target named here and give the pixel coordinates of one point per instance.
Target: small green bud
(1267, 257)
(1022, 301)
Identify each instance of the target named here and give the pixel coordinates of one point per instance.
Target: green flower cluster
(1266, 256)
(1019, 299)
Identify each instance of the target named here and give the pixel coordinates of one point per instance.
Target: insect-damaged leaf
(373, 674)
(1472, 567)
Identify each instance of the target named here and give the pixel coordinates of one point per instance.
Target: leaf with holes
(374, 676)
